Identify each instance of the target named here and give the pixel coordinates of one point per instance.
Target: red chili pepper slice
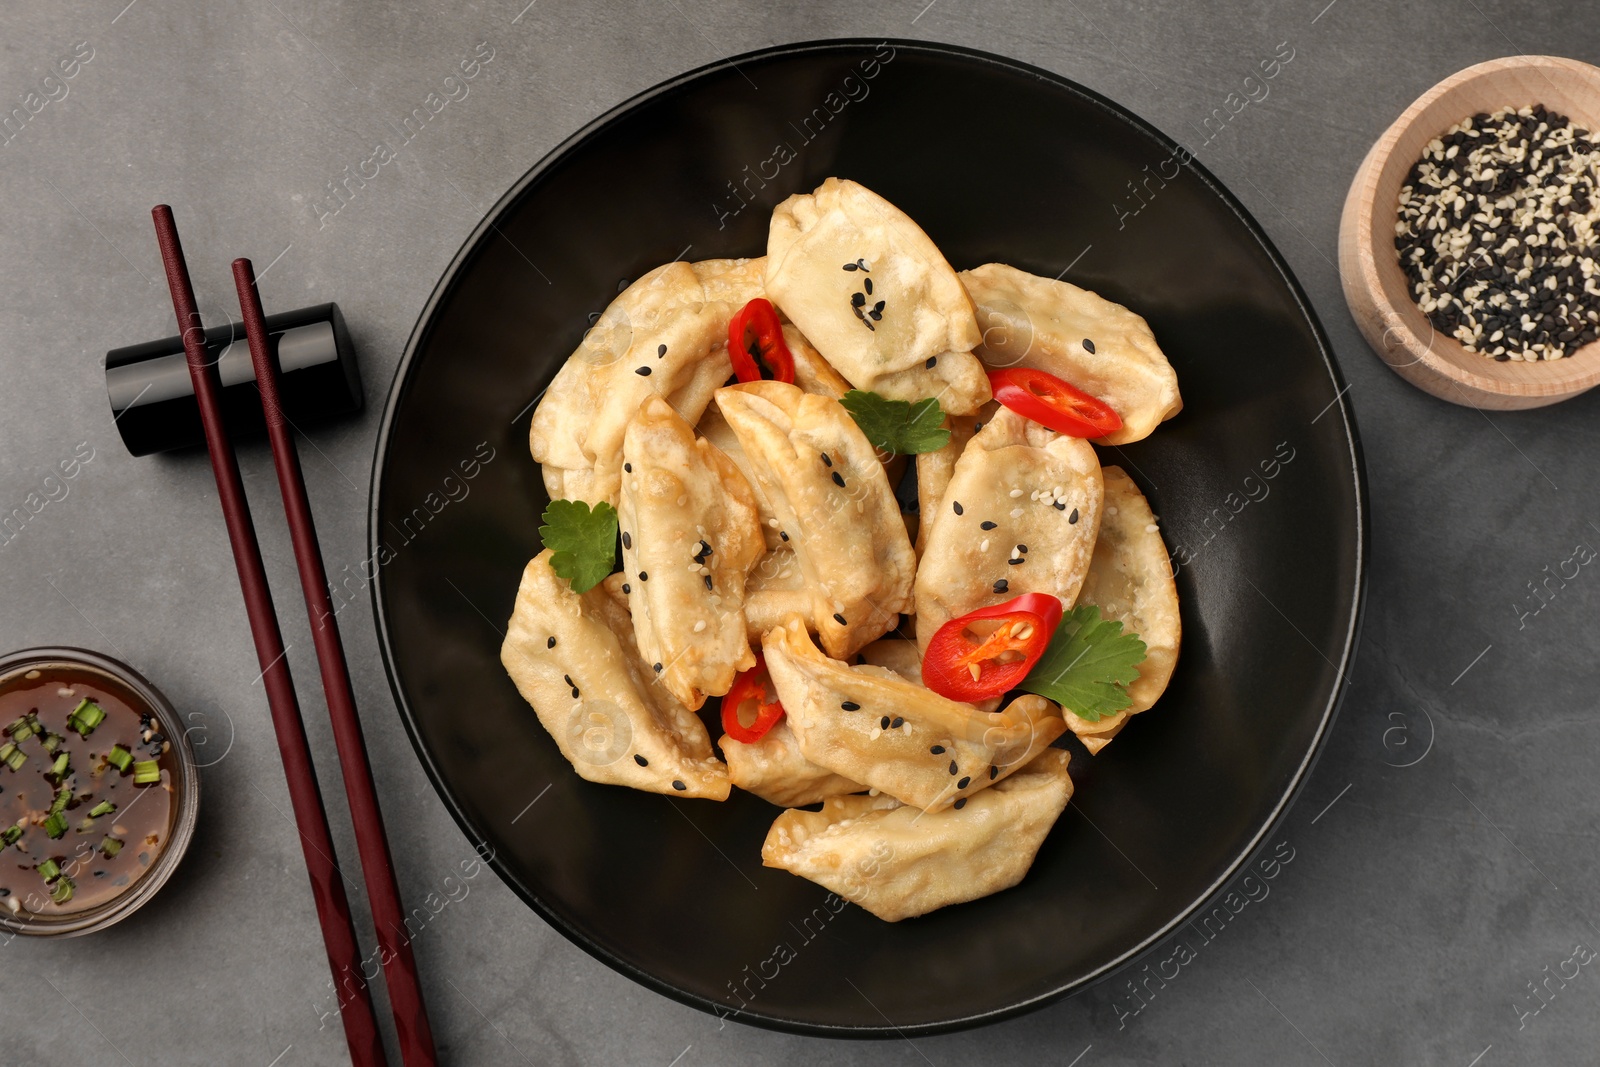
(958, 667)
(755, 331)
(1049, 401)
(751, 685)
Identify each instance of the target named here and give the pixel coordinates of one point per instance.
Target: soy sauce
(57, 855)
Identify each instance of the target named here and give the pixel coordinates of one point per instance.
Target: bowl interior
(1561, 85)
(1257, 481)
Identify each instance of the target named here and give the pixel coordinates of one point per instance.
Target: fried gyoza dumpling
(897, 654)
(933, 475)
(875, 296)
(774, 770)
(898, 862)
(690, 535)
(1019, 516)
(1080, 337)
(574, 659)
(734, 282)
(872, 726)
(660, 337)
(1130, 580)
(826, 488)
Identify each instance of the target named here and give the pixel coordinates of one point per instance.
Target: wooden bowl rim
(1407, 340)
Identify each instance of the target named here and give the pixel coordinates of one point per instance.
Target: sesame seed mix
(643, 372)
(850, 705)
(1497, 234)
(640, 760)
(1059, 506)
(956, 506)
(551, 643)
(1001, 586)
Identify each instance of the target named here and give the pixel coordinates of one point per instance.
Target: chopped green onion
(55, 825)
(110, 846)
(49, 870)
(119, 757)
(12, 756)
(146, 772)
(86, 716)
(85, 826)
(52, 741)
(63, 891)
(10, 836)
(59, 768)
(63, 798)
(24, 728)
(105, 807)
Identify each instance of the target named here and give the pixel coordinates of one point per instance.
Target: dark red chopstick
(333, 908)
(388, 914)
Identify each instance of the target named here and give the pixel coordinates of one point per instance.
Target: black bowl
(1258, 482)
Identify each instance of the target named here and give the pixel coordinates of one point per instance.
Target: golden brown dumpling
(774, 770)
(872, 726)
(875, 296)
(899, 862)
(690, 535)
(574, 659)
(1019, 515)
(1100, 347)
(824, 485)
(1130, 579)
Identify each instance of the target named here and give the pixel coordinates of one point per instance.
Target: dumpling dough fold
(872, 726)
(823, 484)
(690, 535)
(875, 296)
(1025, 493)
(573, 658)
(898, 862)
(1081, 337)
(774, 769)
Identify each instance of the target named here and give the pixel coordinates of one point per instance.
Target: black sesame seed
(1001, 586)
(952, 766)
(839, 619)
(626, 588)
(783, 535)
(628, 467)
(965, 781)
(826, 459)
(1059, 506)
(987, 525)
(1017, 560)
(932, 362)
(858, 299)
(640, 760)
(850, 705)
(551, 643)
(627, 542)
(883, 724)
(851, 266)
(644, 576)
(661, 351)
(956, 505)
(838, 479)
(896, 723)
(866, 283)
(994, 772)
(643, 372)
(575, 693)
(1088, 346)
(567, 678)
(679, 786)
(1021, 547)
(708, 580)
(960, 803)
(1074, 516)
(937, 750)
(657, 668)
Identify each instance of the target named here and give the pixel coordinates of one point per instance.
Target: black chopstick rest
(152, 398)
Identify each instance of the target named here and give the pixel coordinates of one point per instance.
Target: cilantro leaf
(1088, 665)
(897, 426)
(585, 541)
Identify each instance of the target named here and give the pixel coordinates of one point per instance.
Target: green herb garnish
(62, 892)
(24, 727)
(55, 825)
(1088, 665)
(120, 758)
(584, 540)
(59, 767)
(52, 742)
(110, 847)
(10, 836)
(63, 798)
(49, 870)
(105, 807)
(898, 426)
(85, 717)
(12, 756)
(146, 772)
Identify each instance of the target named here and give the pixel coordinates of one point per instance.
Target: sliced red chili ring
(1049, 401)
(756, 332)
(751, 685)
(961, 668)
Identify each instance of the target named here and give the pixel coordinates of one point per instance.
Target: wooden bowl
(1374, 285)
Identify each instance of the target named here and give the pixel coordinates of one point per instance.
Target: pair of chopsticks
(333, 907)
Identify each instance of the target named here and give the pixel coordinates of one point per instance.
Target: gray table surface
(1443, 851)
